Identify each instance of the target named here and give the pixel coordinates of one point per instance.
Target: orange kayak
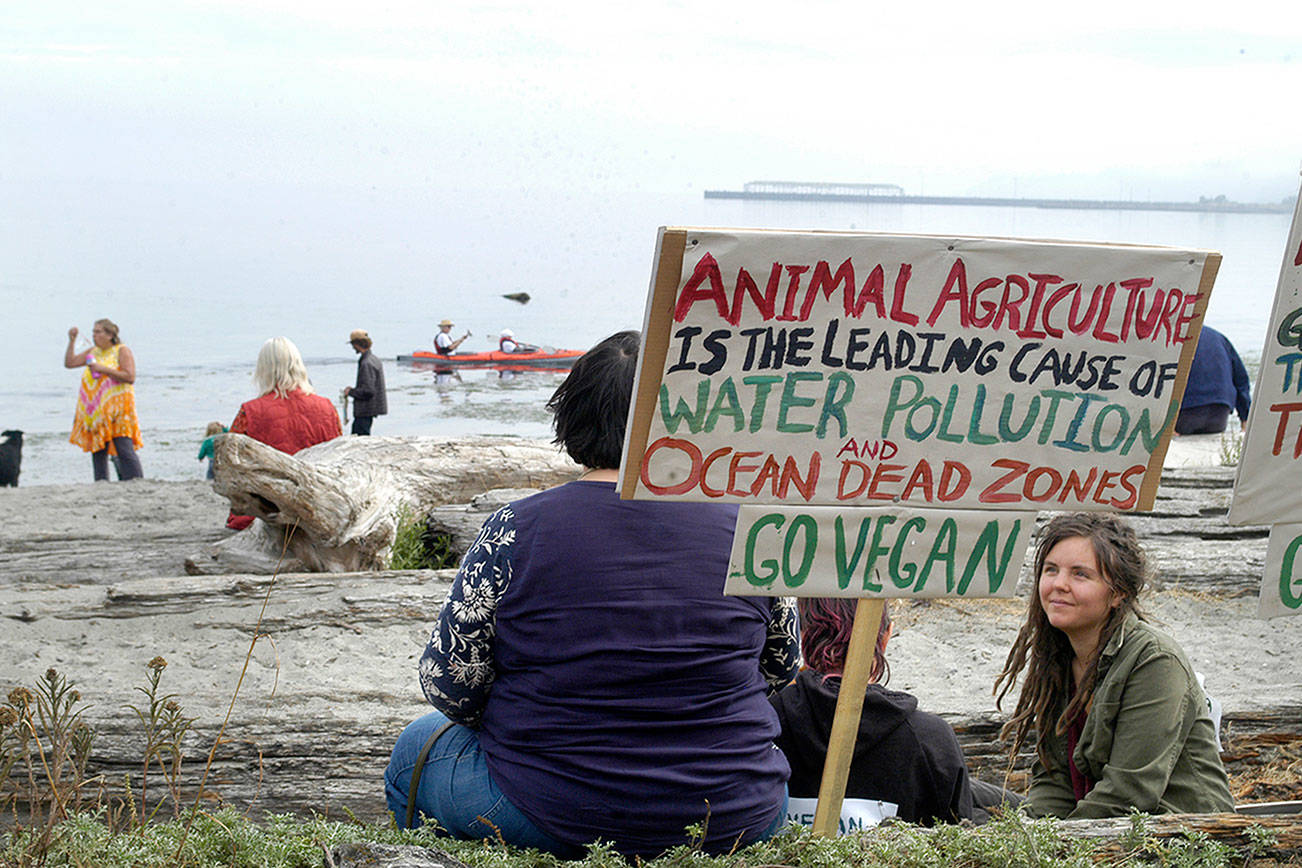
(544, 358)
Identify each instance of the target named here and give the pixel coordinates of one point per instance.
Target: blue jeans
(457, 791)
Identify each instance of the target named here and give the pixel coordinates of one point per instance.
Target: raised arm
(72, 358)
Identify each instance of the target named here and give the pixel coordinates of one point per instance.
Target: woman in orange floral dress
(105, 422)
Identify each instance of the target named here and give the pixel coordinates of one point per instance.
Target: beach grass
(56, 813)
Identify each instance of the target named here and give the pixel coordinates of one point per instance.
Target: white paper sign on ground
(1268, 488)
(815, 551)
(1281, 589)
(856, 814)
(861, 369)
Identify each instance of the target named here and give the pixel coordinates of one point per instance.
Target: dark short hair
(590, 408)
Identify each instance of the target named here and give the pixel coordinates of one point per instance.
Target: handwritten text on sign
(955, 373)
(830, 552)
(1281, 590)
(1267, 489)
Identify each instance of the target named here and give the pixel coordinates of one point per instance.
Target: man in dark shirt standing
(369, 398)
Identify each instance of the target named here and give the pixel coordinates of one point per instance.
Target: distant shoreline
(1215, 206)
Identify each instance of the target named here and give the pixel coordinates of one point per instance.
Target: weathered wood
(334, 507)
(333, 680)
(1234, 830)
(107, 532)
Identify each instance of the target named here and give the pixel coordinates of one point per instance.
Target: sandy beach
(93, 585)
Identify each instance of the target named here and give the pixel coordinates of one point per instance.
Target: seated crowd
(590, 681)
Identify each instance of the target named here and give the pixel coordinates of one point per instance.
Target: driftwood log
(334, 507)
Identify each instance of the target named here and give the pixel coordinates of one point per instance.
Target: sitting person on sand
(907, 763)
(1217, 385)
(1120, 722)
(286, 415)
(591, 680)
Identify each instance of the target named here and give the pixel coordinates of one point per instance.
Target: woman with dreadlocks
(1120, 721)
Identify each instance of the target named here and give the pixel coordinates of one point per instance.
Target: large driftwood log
(334, 507)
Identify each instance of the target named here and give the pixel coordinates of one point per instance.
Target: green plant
(416, 547)
(1231, 447)
(165, 727)
(43, 738)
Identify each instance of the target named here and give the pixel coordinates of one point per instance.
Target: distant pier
(891, 194)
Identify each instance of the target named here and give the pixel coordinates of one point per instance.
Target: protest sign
(1267, 489)
(1281, 589)
(824, 551)
(922, 371)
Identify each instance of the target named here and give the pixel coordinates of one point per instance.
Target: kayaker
(507, 343)
(443, 343)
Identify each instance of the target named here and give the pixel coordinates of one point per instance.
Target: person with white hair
(286, 415)
(507, 343)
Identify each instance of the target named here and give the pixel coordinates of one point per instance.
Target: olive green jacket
(1148, 740)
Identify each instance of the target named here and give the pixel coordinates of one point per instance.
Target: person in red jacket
(287, 415)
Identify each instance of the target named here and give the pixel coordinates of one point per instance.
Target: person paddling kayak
(443, 343)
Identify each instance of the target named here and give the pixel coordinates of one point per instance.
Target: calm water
(198, 281)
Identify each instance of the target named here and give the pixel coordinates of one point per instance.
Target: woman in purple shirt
(591, 680)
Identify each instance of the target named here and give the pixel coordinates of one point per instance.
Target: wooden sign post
(891, 410)
(845, 722)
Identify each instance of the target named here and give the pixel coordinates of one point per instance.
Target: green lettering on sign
(1286, 594)
(771, 565)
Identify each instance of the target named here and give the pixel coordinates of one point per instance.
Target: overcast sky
(1151, 99)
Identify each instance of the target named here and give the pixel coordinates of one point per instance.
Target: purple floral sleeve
(456, 670)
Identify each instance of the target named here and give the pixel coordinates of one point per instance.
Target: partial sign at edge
(1281, 587)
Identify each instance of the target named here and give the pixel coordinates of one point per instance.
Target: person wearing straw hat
(369, 397)
(443, 343)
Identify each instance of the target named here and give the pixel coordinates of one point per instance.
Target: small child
(206, 449)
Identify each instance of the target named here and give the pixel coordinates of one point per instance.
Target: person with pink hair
(907, 763)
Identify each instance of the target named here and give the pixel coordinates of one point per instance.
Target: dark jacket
(1217, 375)
(902, 756)
(369, 398)
(1148, 739)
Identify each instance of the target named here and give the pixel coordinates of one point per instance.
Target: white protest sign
(1281, 590)
(823, 551)
(919, 371)
(1268, 488)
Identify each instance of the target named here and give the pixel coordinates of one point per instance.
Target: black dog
(11, 457)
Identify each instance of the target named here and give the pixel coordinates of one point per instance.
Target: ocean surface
(198, 280)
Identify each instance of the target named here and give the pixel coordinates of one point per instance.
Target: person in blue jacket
(1218, 383)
